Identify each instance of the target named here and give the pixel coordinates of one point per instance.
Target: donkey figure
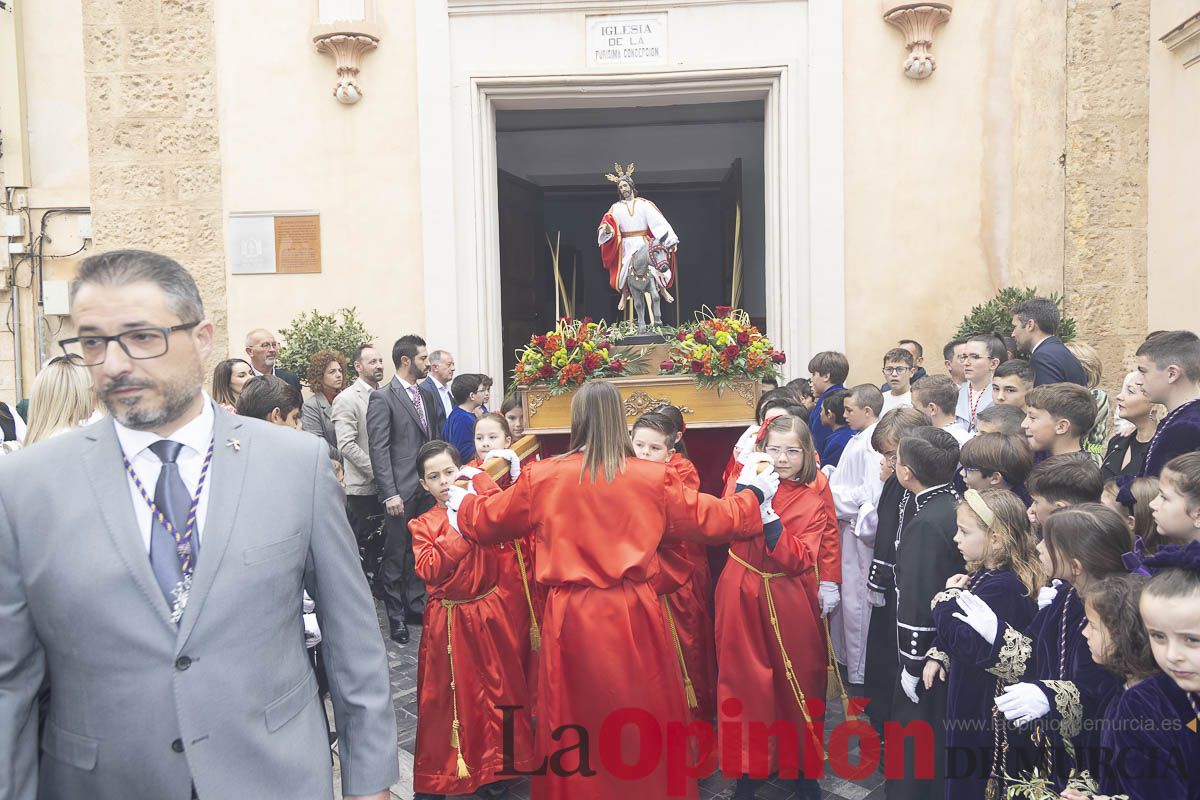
(641, 283)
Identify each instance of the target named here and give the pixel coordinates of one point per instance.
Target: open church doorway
(702, 165)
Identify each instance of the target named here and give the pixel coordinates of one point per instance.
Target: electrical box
(85, 226)
(13, 226)
(55, 302)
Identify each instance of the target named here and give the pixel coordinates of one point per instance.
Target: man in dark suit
(399, 421)
(441, 372)
(1035, 323)
(263, 349)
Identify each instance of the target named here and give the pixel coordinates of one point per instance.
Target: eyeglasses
(890, 458)
(267, 345)
(139, 344)
(972, 357)
(792, 452)
(895, 370)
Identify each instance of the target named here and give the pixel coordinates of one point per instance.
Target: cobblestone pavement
(402, 661)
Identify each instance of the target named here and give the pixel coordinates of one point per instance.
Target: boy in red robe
(769, 616)
(683, 582)
(599, 516)
(470, 659)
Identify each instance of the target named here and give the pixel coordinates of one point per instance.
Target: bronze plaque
(298, 244)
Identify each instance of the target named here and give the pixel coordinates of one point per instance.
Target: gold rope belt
(788, 669)
(645, 234)
(455, 738)
(689, 690)
(535, 633)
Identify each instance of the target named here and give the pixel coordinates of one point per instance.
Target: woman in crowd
(1127, 452)
(227, 381)
(325, 378)
(61, 399)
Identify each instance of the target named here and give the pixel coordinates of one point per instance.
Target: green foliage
(995, 316)
(342, 331)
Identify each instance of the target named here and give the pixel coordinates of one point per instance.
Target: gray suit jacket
(315, 418)
(226, 700)
(350, 426)
(395, 434)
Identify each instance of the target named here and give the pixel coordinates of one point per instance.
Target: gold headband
(975, 501)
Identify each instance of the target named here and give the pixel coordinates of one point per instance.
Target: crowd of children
(972, 553)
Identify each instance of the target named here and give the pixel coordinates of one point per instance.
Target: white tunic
(639, 221)
(856, 488)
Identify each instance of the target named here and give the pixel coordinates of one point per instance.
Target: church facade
(896, 163)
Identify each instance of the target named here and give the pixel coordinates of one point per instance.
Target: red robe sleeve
(829, 544)
(703, 518)
(494, 517)
(610, 251)
(687, 471)
(437, 547)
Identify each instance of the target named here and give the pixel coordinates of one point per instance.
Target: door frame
(802, 149)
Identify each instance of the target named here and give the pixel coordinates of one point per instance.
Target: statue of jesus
(631, 222)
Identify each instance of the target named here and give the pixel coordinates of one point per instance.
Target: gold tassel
(535, 631)
(463, 772)
(454, 742)
(689, 691)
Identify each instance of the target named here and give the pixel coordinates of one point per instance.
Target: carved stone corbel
(917, 21)
(347, 49)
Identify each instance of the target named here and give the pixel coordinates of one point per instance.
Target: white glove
(1023, 702)
(909, 684)
(767, 482)
(1047, 594)
(829, 469)
(457, 493)
(514, 461)
(468, 472)
(768, 513)
(876, 599)
(312, 631)
(978, 615)
(829, 597)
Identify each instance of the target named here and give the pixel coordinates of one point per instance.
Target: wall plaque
(280, 242)
(627, 39)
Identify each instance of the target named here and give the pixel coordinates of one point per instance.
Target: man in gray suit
(398, 423)
(147, 584)
(350, 425)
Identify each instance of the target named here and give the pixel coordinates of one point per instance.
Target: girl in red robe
(470, 660)
(493, 438)
(684, 586)
(599, 516)
(768, 615)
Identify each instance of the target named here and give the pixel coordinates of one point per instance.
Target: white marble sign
(627, 39)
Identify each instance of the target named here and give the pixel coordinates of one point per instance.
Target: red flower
(778, 357)
(546, 371)
(616, 365)
(587, 320)
(667, 365)
(731, 352)
(697, 366)
(605, 345)
(571, 344)
(743, 338)
(591, 361)
(681, 336)
(700, 337)
(723, 311)
(540, 342)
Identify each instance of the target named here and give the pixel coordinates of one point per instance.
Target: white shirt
(891, 401)
(982, 401)
(195, 437)
(958, 431)
(855, 483)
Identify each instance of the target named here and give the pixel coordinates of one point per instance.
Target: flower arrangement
(574, 352)
(719, 348)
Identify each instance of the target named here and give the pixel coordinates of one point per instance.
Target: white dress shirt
(443, 394)
(195, 437)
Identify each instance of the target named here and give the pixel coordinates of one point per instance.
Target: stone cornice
(1184, 39)
(462, 7)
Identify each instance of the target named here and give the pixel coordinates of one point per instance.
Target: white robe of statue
(856, 488)
(639, 221)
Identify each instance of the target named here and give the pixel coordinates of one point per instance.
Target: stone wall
(153, 140)
(1107, 183)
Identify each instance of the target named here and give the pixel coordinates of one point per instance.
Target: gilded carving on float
(917, 21)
